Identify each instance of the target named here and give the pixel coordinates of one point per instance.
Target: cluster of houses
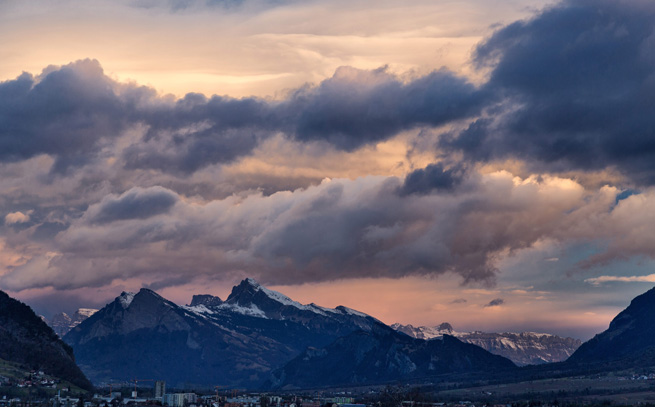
(35, 379)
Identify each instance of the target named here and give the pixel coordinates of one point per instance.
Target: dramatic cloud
(338, 229)
(77, 114)
(357, 107)
(67, 112)
(464, 173)
(575, 90)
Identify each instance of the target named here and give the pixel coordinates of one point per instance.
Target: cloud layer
(575, 90)
(103, 181)
(339, 229)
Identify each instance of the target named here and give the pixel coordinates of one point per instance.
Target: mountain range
(259, 337)
(237, 341)
(241, 341)
(524, 348)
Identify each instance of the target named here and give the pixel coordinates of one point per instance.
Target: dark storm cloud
(137, 203)
(434, 177)
(352, 109)
(196, 132)
(495, 302)
(76, 114)
(357, 107)
(67, 113)
(577, 89)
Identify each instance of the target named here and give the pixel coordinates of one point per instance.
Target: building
(179, 399)
(160, 389)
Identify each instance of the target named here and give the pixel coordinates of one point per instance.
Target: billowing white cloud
(17, 217)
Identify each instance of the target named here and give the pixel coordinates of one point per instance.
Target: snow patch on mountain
(198, 309)
(126, 299)
(252, 310)
(284, 300)
(86, 312)
(323, 309)
(351, 311)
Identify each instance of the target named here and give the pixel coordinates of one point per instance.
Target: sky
(487, 163)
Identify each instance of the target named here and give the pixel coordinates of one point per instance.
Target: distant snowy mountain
(525, 348)
(62, 323)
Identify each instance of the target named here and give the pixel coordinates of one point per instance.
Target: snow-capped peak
(281, 298)
(248, 287)
(250, 294)
(252, 282)
(126, 298)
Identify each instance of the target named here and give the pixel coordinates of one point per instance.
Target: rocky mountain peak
(145, 295)
(249, 292)
(243, 292)
(207, 300)
(252, 282)
(445, 326)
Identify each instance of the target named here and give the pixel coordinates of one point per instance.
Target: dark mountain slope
(631, 334)
(27, 340)
(383, 355)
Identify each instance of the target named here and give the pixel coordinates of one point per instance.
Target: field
(609, 389)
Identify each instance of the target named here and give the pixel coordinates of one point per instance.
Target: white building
(179, 399)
